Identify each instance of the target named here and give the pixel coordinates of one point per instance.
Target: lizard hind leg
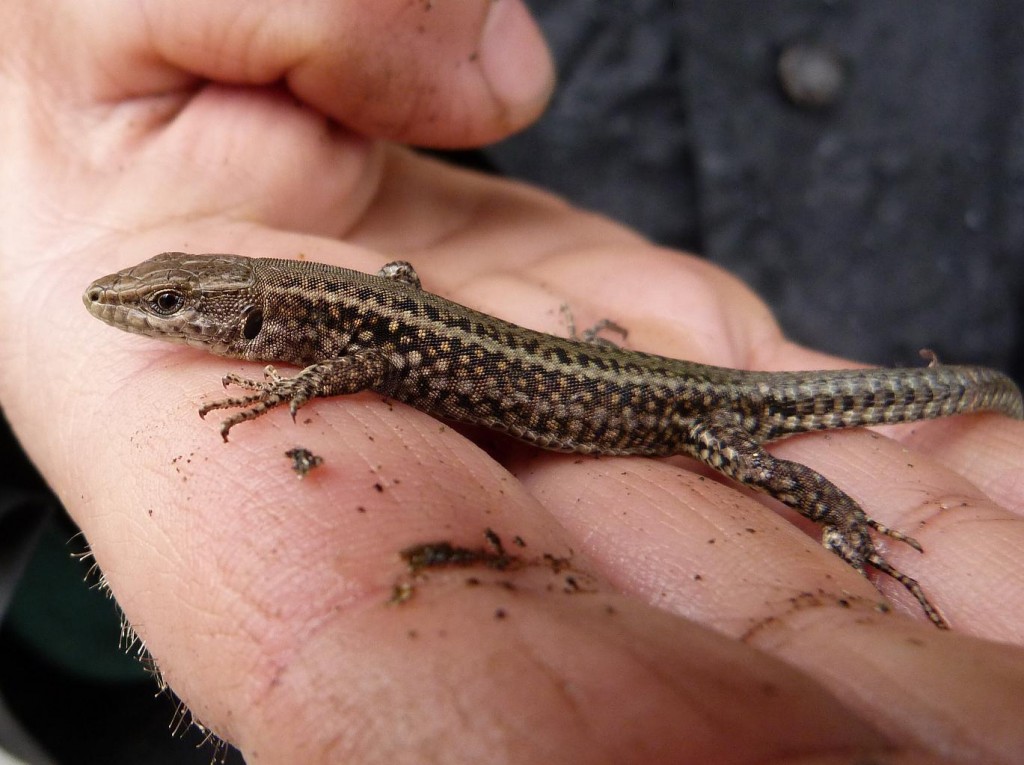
(892, 533)
(720, 441)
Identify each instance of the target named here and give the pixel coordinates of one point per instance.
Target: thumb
(428, 73)
(439, 74)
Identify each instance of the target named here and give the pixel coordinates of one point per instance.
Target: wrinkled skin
(708, 629)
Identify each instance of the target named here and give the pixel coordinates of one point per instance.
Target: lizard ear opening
(253, 322)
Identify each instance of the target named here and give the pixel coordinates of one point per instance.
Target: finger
(943, 692)
(443, 74)
(985, 449)
(693, 545)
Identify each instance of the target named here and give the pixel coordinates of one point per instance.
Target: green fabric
(67, 620)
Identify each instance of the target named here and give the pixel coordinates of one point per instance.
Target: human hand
(705, 628)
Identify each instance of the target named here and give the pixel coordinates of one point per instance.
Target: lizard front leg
(358, 371)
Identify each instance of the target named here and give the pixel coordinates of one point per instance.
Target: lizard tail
(855, 397)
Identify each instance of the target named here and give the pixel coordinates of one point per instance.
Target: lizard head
(201, 300)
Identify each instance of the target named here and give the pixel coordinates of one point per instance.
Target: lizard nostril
(93, 295)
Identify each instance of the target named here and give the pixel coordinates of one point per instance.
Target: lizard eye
(167, 302)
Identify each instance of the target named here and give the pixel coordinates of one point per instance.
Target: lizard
(351, 331)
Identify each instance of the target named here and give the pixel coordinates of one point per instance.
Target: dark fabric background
(889, 219)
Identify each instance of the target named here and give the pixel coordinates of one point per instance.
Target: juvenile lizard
(353, 331)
